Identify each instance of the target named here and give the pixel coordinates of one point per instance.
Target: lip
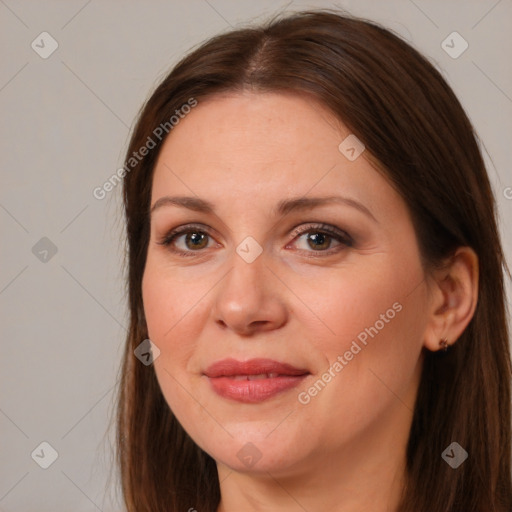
(254, 380)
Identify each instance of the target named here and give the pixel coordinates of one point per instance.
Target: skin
(345, 449)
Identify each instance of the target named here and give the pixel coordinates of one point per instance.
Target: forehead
(255, 148)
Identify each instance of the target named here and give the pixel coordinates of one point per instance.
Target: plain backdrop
(64, 127)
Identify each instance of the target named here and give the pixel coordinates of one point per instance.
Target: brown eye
(320, 239)
(186, 240)
(196, 240)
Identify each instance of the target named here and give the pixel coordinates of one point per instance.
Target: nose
(250, 298)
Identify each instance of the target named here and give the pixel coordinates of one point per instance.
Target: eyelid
(324, 228)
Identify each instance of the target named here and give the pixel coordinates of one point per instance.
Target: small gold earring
(444, 344)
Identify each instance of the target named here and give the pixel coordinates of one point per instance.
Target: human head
(416, 134)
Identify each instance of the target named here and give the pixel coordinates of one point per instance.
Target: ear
(453, 298)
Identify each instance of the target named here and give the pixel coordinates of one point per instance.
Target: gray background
(64, 128)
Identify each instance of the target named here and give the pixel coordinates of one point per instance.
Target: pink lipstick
(253, 381)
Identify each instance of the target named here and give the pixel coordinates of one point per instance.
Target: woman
(313, 253)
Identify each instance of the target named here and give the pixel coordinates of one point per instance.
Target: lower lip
(253, 391)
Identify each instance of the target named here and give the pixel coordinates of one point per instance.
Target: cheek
(171, 309)
(366, 303)
(369, 328)
(171, 299)
(169, 304)
(370, 364)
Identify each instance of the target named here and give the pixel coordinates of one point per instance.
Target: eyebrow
(283, 207)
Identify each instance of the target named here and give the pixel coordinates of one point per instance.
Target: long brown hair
(415, 129)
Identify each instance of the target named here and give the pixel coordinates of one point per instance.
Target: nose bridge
(247, 297)
(245, 283)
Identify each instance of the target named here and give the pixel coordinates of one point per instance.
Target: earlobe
(454, 300)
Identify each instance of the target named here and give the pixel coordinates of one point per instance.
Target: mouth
(253, 381)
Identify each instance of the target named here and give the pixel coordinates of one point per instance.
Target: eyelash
(341, 236)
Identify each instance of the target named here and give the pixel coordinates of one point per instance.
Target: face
(317, 305)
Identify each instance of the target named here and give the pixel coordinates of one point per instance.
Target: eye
(186, 240)
(190, 239)
(320, 237)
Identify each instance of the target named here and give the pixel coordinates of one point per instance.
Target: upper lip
(232, 367)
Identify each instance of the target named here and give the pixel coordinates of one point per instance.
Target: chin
(256, 452)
